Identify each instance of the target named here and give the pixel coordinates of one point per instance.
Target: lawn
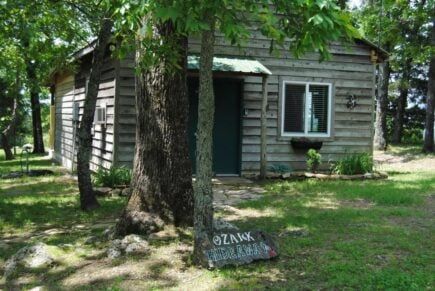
(331, 235)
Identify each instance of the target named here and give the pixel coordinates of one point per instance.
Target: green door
(226, 132)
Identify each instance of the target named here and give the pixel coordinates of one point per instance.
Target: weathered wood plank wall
(71, 89)
(350, 71)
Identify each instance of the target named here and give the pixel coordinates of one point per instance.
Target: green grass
(361, 235)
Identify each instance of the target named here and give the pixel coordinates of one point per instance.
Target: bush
(115, 176)
(314, 159)
(354, 164)
(280, 169)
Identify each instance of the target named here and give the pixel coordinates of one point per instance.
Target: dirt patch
(356, 204)
(403, 162)
(424, 222)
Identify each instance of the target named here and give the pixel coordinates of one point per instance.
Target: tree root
(138, 222)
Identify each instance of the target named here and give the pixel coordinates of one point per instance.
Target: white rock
(35, 256)
(130, 244)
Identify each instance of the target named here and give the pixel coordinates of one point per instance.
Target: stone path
(230, 191)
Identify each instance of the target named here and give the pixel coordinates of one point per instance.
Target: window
(76, 111)
(306, 109)
(100, 115)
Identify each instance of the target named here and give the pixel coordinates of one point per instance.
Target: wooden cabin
(305, 103)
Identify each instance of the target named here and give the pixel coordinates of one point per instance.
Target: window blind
(294, 108)
(318, 109)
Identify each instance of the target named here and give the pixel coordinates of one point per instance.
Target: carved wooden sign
(239, 247)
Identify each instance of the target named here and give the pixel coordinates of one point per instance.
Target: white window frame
(306, 133)
(102, 107)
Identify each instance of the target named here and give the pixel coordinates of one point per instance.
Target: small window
(306, 109)
(100, 115)
(76, 111)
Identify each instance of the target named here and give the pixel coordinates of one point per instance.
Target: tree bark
(429, 124)
(402, 102)
(162, 172)
(38, 141)
(6, 147)
(10, 129)
(203, 214)
(380, 139)
(87, 196)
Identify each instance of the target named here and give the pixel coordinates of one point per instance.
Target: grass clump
(314, 159)
(115, 176)
(354, 164)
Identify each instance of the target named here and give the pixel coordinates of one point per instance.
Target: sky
(354, 3)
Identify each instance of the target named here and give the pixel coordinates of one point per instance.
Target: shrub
(354, 164)
(115, 176)
(280, 169)
(314, 159)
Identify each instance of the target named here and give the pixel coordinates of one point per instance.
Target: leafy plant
(314, 159)
(280, 168)
(354, 164)
(115, 176)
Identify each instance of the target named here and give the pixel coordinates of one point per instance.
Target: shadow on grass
(409, 152)
(346, 246)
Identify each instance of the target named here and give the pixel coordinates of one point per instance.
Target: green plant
(314, 159)
(354, 164)
(280, 168)
(115, 176)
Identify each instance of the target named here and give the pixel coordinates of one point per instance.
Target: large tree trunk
(402, 102)
(162, 172)
(38, 141)
(203, 215)
(87, 196)
(429, 132)
(380, 139)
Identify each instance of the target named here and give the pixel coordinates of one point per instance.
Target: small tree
(314, 159)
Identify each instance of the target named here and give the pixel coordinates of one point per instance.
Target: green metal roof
(230, 64)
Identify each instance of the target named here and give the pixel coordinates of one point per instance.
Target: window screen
(294, 108)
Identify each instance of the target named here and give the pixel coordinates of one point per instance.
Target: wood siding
(350, 72)
(126, 114)
(70, 89)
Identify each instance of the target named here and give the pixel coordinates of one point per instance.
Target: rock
(137, 248)
(36, 256)
(285, 176)
(130, 244)
(102, 191)
(236, 248)
(369, 176)
(113, 252)
(116, 192)
(126, 192)
(220, 225)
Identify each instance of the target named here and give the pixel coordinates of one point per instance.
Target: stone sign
(235, 247)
